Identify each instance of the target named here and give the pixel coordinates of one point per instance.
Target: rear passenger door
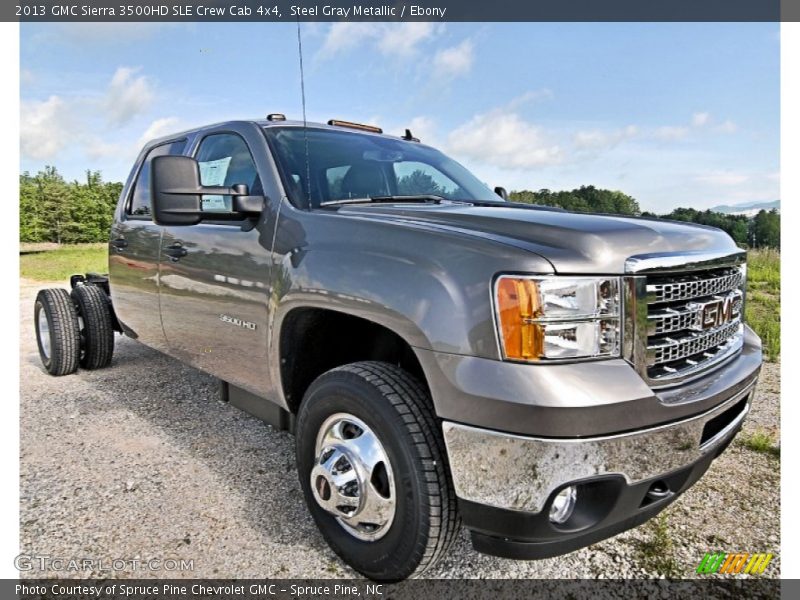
(215, 275)
(134, 253)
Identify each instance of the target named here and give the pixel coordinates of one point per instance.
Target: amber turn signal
(518, 305)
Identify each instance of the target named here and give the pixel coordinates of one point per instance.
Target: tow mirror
(177, 194)
(501, 191)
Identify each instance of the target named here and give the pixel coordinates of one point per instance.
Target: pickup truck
(443, 356)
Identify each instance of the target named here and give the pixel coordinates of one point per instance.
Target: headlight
(558, 317)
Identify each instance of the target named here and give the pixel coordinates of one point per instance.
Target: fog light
(563, 504)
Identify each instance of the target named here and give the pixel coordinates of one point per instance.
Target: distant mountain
(748, 209)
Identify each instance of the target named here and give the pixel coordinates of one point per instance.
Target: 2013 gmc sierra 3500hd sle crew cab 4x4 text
(443, 356)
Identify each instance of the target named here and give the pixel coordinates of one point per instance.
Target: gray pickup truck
(443, 355)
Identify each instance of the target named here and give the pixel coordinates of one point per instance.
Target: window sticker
(213, 173)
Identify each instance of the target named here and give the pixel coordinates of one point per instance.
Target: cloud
(159, 128)
(344, 36)
(402, 38)
(48, 126)
(531, 96)
(44, 127)
(599, 139)
(455, 61)
(722, 178)
(671, 133)
(504, 139)
(703, 119)
(700, 119)
(390, 39)
(128, 96)
(726, 127)
(97, 148)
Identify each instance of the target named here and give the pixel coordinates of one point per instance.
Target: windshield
(343, 165)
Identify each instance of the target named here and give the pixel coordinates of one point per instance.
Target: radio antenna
(305, 122)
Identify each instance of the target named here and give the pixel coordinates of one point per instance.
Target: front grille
(695, 286)
(693, 320)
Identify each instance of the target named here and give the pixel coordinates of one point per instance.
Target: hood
(571, 242)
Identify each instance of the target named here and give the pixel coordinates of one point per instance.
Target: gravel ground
(143, 461)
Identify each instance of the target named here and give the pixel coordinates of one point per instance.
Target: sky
(674, 114)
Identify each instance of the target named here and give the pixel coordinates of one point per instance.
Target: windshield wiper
(371, 199)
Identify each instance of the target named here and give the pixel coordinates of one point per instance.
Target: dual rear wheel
(73, 329)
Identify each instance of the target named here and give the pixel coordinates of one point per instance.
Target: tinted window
(140, 200)
(225, 160)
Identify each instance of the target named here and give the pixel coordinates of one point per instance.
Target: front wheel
(373, 469)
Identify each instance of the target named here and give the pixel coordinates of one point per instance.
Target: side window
(140, 199)
(225, 160)
(415, 178)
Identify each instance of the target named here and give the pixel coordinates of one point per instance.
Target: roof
(263, 122)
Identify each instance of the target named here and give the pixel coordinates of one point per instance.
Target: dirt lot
(142, 461)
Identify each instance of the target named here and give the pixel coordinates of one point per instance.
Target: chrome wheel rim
(352, 477)
(44, 333)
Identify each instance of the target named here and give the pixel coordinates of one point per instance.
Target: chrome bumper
(521, 473)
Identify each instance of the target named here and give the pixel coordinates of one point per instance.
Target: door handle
(119, 243)
(175, 251)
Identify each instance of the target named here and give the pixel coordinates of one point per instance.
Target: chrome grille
(677, 318)
(693, 320)
(695, 286)
(670, 349)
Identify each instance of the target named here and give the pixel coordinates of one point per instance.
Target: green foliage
(59, 264)
(657, 550)
(762, 231)
(763, 304)
(736, 226)
(53, 210)
(419, 182)
(586, 198)
(767, 229)
(762, 442)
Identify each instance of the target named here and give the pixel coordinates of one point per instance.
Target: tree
(586, 198)
(52, 210)
(418, 182)
(766, 229)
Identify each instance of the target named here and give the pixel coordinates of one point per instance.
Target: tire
(57, 334)
(96, 328)
(396, 410)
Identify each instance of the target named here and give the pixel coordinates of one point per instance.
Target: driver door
(214, 280)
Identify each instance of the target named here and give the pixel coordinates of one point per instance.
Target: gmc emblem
(718, 311)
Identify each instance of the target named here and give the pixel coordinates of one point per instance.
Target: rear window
(140, 198)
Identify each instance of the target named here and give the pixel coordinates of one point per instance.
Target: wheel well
(314, 341)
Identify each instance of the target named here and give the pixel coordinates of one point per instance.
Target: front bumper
(593, 398)
(506, 482)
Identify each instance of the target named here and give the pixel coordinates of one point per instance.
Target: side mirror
(501, 191)
(177, 194)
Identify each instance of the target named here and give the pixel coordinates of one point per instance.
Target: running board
(259, 407)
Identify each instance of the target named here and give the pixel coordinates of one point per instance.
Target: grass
(59, 264)
(657, 551)
(762, 442)
(763, 303)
